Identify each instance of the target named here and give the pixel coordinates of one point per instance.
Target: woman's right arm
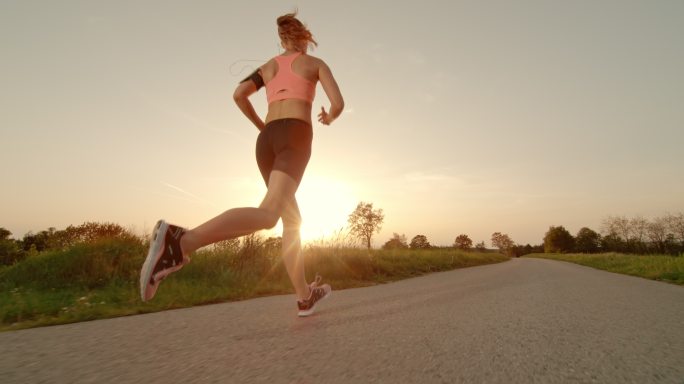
(332, 90)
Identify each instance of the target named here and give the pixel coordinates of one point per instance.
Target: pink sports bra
(288, 85)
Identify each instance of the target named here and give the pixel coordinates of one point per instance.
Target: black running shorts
(284, 145)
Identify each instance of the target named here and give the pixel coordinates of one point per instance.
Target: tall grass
(655, 267)
(100, 279)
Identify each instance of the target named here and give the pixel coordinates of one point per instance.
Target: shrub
(86, 265)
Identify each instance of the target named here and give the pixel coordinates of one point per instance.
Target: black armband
(256, 78)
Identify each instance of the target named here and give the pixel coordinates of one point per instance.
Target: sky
(461, 117)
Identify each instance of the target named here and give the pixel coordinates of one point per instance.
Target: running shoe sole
(153, 255)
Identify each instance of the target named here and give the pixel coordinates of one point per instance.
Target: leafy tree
(520, 250)
(420, 242)
(587, 241)
(503, 242)
(480, 247)
(463, 242)
(9, 250)
(39, 241)
(87, 232)
(533, 249)
(558, 239)
(396, 242)
(365, 221)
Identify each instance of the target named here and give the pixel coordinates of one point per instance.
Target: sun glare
(325, 205)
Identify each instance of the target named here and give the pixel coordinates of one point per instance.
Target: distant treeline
(636, 235)
(12, 251)
(463, 242)
(662, 235)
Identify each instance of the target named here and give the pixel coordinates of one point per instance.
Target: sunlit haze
(461, 116)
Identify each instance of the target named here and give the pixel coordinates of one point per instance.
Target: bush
(87, 265)
(396, 242)
(10, 252)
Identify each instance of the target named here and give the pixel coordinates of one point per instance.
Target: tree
(420, 242)
(675, 225)
(503, 242)
(587, 241)
(612, 243)
(463, 242)
(396, 242)
(558, 239)
(39, 241)
(4, 234)
(657, 233)
(520, 250)
(365, 221)
(87, 232)
(9, 251)
(618, 226)
(638, 227)
(480, 247)
(624, 234)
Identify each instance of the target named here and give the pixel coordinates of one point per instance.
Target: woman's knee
(270, 218)
(292, 221)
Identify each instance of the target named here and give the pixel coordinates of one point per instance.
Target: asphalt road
(522, 321)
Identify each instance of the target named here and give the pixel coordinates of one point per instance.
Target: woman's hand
(324, 118)
(333, 92)
(241, 97)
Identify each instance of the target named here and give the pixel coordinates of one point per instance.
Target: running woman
(283, 149)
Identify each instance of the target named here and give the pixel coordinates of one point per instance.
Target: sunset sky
(461, 116)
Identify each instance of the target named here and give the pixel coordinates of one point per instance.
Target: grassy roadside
(655, 267)
(100, 280)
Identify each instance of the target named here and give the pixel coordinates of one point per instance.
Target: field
(655, 267)
(100, 280)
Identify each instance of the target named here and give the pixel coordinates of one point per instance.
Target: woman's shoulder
(314, 59)
(270, 64)
(317, 64)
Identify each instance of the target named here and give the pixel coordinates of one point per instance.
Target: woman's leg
(243, 221)
(292, 246)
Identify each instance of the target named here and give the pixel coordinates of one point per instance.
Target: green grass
(100, 280)
(655, 267)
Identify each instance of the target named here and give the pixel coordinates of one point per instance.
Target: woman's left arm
(241, 97)
(332, 90)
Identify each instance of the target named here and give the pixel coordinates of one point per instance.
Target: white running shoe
(163, 258)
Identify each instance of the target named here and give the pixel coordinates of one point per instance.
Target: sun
(325, 204)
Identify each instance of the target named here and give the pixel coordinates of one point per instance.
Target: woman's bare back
(305, 66)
